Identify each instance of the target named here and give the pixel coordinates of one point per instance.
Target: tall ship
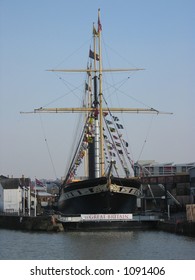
(108, 184)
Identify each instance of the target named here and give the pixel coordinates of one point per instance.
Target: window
(183, 169)
(151, 170)
(160, 170)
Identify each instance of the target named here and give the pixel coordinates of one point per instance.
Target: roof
(38, 188)
(10, 183)
(44, 194)
(3, 177)
(14, 183)
(152, 163)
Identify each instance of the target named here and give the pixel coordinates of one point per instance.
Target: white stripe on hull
(98, 189)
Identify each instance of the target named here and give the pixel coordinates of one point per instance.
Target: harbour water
(96, 245)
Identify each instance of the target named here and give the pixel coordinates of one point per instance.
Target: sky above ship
(38, 35)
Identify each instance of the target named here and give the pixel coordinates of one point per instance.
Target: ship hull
(99, 196)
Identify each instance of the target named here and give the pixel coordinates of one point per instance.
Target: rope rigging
(146, 138)
(47, 145)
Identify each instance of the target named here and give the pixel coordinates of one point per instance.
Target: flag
(39, 183)
(91, 55)
(99, 25)
(108, 122)
(89, 72)
(112, 129)
(125, 143)
(110, 148)
(87, 87)
(94, 31)
(119, 126)
(118, 144)
(116, 119)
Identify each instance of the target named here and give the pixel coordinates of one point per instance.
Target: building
(14, 195)
(43, 199)
(166, 184)
(17, 196)
(152, 168)
(192, 184)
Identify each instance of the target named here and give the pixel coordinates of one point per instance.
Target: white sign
(104, 217)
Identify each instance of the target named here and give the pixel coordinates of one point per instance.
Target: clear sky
(36, 35)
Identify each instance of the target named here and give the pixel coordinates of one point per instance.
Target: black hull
(99, 196)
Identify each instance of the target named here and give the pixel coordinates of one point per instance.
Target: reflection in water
(97, 245)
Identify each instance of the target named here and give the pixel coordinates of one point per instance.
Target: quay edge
(54, 223)
(30, 223)
(186, 228)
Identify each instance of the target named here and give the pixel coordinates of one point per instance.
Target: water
(105, 245)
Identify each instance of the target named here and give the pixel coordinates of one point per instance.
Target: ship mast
(96, 160)
(102, 171)
(95, 105)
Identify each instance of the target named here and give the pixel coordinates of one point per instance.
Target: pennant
(119, 126)
(91, 55)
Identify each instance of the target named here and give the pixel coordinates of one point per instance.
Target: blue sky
(37, 35)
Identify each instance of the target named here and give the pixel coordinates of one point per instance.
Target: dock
(98, 222)
(181, 227)
(30, 223)
(81, 222)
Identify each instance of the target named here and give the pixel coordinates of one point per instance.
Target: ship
(109, 185)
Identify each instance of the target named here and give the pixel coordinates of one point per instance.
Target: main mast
(95, 171)
(102, 171)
